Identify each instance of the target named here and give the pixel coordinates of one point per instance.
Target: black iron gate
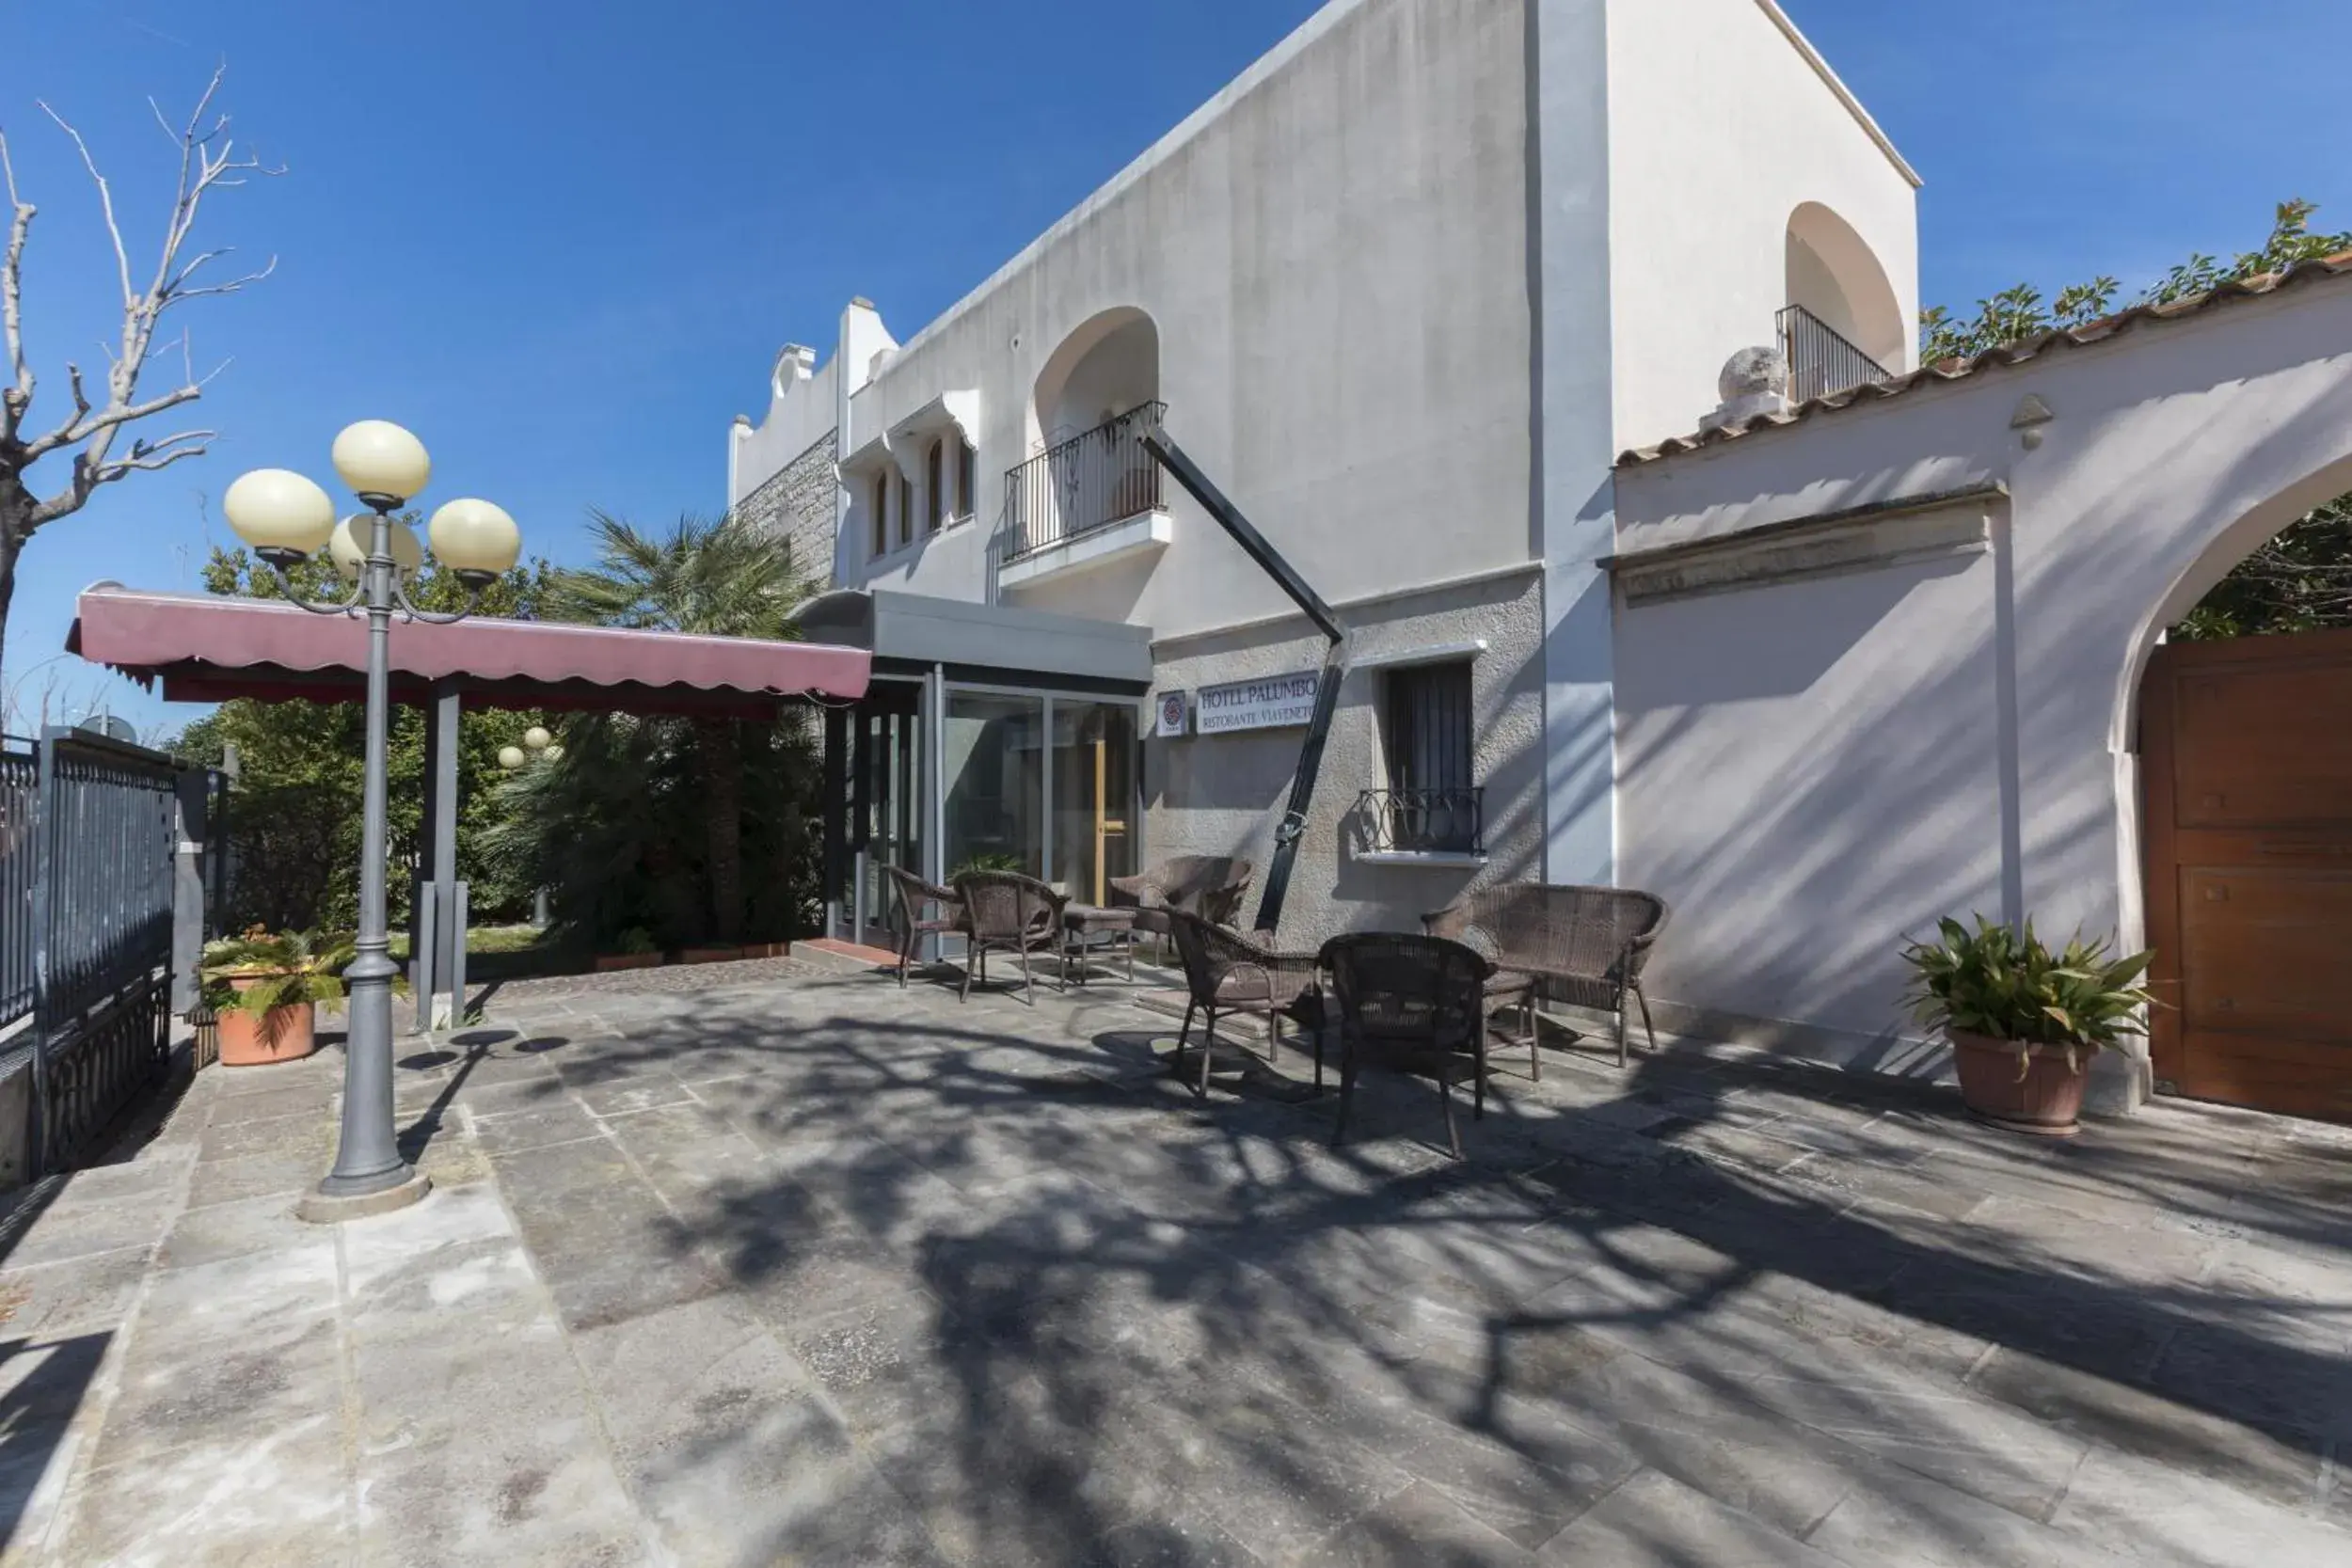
(86, 873)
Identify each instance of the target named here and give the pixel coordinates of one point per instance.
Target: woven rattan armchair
(1010, 912)
(1415, 1004)
(1583, 945)
(911, 898)
(1211, 886)
(1228, 973)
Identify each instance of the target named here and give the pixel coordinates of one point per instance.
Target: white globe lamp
(381, 462)
(281, 515)
(348, 548)
(476, 539)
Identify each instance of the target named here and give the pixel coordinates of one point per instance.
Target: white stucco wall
(1332, 252)
(1802, 765)
(801, 411)
(1721, 126)
(1222, 794)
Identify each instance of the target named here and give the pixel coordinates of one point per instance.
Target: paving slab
(1654, 1520)
(813, 1270)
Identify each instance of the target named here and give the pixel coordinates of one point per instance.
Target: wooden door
(2245, 755)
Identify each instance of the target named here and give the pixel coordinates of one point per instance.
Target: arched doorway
(2246, 766)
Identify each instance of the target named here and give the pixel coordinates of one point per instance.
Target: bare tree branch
(207, 159)
(105, 420)
(176, 294)
(105, 202)
(19, 393)
(148, 456)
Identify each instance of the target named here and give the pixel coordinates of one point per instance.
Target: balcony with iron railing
(1820, 359)
(1402, 824)
(1082, 502)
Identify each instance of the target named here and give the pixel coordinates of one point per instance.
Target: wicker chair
(1415, 1004)
(911, 897)
(1006, 911)
(1584, 946)
(1211, 886)
(1228, 973)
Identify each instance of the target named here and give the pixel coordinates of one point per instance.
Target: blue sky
(566, 254)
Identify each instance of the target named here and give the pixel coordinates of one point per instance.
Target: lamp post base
(321, 1207)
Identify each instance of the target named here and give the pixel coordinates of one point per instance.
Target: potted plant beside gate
(2025, 1021)
(267, 988)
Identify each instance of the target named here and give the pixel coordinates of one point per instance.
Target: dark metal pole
(1188, 473)
(368, 1160)
(448, 965)
(1288, 832)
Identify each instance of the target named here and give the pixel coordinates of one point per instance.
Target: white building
(1898, 657)
(1403, 288)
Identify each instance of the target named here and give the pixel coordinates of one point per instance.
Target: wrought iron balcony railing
(1424, 821)
(1093, 479)
(1820, 360)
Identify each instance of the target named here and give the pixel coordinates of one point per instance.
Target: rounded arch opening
(2223, 553)
(2188, 734)
(1833, 272)
(1107, 366)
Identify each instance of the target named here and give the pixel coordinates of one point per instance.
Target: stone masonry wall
(798, 502)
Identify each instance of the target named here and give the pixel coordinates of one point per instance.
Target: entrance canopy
(910, 634)
(204, 648)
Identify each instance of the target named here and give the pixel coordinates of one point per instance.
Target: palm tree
(722, 577)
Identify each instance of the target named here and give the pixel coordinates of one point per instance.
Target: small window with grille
(1432, 804)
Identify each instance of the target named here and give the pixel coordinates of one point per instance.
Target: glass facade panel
(893, 804)
(993, 773)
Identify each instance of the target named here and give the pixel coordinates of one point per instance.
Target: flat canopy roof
(205, 648)
(915, 629)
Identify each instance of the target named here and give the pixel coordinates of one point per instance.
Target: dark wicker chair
(1415, 1004)
(1010, 912)
(1583, 945)
(911, 897)
(1211, 886)
(1228, 973)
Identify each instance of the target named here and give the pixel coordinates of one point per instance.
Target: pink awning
(207, 648)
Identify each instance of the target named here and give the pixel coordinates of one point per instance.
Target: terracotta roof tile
(2014, 352)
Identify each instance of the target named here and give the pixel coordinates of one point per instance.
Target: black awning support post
(1293, 824)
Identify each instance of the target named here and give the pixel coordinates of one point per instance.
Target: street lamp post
(285, 519)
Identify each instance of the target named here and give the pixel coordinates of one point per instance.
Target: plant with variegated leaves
(2007, 984)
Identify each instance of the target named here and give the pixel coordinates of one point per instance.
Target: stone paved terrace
(794, 1268)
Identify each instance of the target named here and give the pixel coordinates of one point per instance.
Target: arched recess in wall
(1108, 365)
(1832, 273)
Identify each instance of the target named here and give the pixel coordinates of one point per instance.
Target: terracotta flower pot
(2037, 1093)
(608, 961)
(710, 955)
(281, 1035)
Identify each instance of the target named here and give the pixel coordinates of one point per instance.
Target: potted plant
(266, 988)
(637, 951)
(2023, 1021)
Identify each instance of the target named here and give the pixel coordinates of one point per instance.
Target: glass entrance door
(888, 775)
(1094, 796)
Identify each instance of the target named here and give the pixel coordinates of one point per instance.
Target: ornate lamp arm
(476, 582)
(279, 561)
